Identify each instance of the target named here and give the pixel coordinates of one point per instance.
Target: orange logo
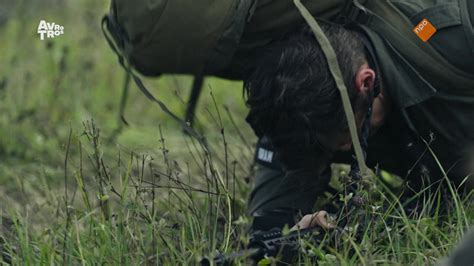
(424, 30)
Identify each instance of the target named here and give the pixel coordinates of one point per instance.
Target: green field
(79, 187)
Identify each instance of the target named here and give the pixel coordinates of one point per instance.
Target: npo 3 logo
(49, 30)
(424, 30)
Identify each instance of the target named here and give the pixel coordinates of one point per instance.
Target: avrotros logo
(49, 30)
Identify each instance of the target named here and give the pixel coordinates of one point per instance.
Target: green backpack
(217, 37)
(177, 36)
(157, 37)
(199, 38)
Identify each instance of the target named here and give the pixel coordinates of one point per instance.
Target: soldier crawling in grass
(412, 96)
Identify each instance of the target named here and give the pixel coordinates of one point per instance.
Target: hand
(312, 220)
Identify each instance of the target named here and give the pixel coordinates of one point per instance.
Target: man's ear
(364, 79)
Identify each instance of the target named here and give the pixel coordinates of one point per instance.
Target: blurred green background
(52, 94)
(49, 88)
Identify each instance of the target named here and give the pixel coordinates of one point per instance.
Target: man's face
(364, 85)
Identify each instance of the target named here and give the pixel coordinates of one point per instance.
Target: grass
(151, 195)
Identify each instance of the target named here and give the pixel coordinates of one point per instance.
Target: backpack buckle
(355, 11)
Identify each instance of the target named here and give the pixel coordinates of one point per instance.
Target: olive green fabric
(435, 104)
(463, 254)
(175, 36)
(271, 20)
(274, 18)
(395, 26)
(431, 86)
(292, 191)
(429, 108)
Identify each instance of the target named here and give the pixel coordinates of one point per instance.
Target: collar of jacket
(404, 84)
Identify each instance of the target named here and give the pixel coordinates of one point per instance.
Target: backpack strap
(354, 10)
(193, 98)
(187, 128)
(335, 70)
(385, 19)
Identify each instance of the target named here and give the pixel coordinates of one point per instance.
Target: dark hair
(291, 93)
